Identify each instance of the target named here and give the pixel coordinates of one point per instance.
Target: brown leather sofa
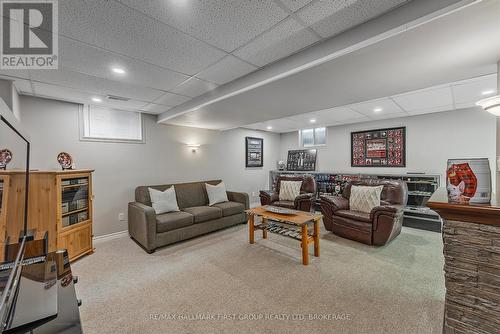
(302, 202)
(379, 226)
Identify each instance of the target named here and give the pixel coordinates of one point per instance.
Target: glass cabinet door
(74, 200)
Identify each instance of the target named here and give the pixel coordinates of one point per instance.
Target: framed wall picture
(301, 160)
(254, 150)
(379, 148)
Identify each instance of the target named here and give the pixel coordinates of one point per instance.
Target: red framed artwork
(379, 148)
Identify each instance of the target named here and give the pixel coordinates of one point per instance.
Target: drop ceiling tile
(339, 114)
(278, 125)
(295, 5)
(153, 108)
(383, 106)
(469, 92)
(330, 18)
(60, 93)
(225, 24)
(23, 86)
(115, 27)
(226, 70)
(426, 99)
(65, 78)
(23, 74)
(76, 96)
(431, 110)
(169, 99)
(194, 87)
(286, 38)
(97, 62)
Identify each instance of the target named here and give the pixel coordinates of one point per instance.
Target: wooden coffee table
(299, 218)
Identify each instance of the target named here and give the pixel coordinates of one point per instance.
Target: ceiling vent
(117, 98)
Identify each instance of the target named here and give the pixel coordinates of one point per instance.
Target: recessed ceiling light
(118, 70)
(488, 92)
(312, 120)
(377, 109)
(269, 127)
(96, 99)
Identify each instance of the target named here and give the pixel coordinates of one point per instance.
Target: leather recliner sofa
(303, 202)
(376, 228)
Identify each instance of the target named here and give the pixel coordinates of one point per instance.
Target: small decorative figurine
(5, 158)
(65, 160)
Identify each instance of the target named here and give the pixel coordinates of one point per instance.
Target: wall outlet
(254, 194)
(121, 216)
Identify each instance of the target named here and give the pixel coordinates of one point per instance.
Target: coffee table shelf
(294, 226)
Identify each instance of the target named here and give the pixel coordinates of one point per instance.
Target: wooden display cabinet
(74, 212)
(60, 203)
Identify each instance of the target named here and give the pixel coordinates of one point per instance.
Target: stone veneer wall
(472, 274)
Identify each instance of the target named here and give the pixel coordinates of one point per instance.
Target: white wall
(165, 158)
(432, 139)
(10, 96)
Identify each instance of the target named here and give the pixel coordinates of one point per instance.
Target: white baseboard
(111, 236)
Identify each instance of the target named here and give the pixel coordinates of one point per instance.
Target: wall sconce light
(491, 105)
(194, 147)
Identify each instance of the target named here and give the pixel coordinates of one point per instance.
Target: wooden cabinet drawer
(77, 241)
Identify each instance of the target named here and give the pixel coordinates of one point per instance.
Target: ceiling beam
(402, 19)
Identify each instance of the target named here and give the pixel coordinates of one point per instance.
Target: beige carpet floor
(219, 283)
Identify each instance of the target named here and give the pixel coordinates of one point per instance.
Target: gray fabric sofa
(195, 218)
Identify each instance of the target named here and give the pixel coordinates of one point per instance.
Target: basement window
(110, 125)
(312, 137)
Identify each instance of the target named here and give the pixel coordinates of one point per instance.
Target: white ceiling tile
(86, 83)
(169, 99)
(469, 92)
(339, 114)
(153, 108)
(426, 99)
(330, 18)
(431, 110)
(286, 38)
(226, 70)
(53, 91)
(113, 26)
(194, 87)
(23, 86)
(295, 5)
(90, 60)
(225, 24)
(383, 106)
(73, 95)
(23, 74)
(277, 125)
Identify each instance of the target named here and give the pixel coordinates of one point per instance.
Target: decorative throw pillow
(289, 190)
(216, 194)
(364, 198)
(163, 201)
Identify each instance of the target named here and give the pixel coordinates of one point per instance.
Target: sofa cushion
(285, 204)
(230, 208)
(289, 190)
(365, 198)
(354, 215)
(204, 213)
(163, 201)
(173, 220)
(216, 194)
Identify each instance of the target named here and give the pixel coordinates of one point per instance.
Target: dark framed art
(254, 151)
(379, 148)
(301, 160)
